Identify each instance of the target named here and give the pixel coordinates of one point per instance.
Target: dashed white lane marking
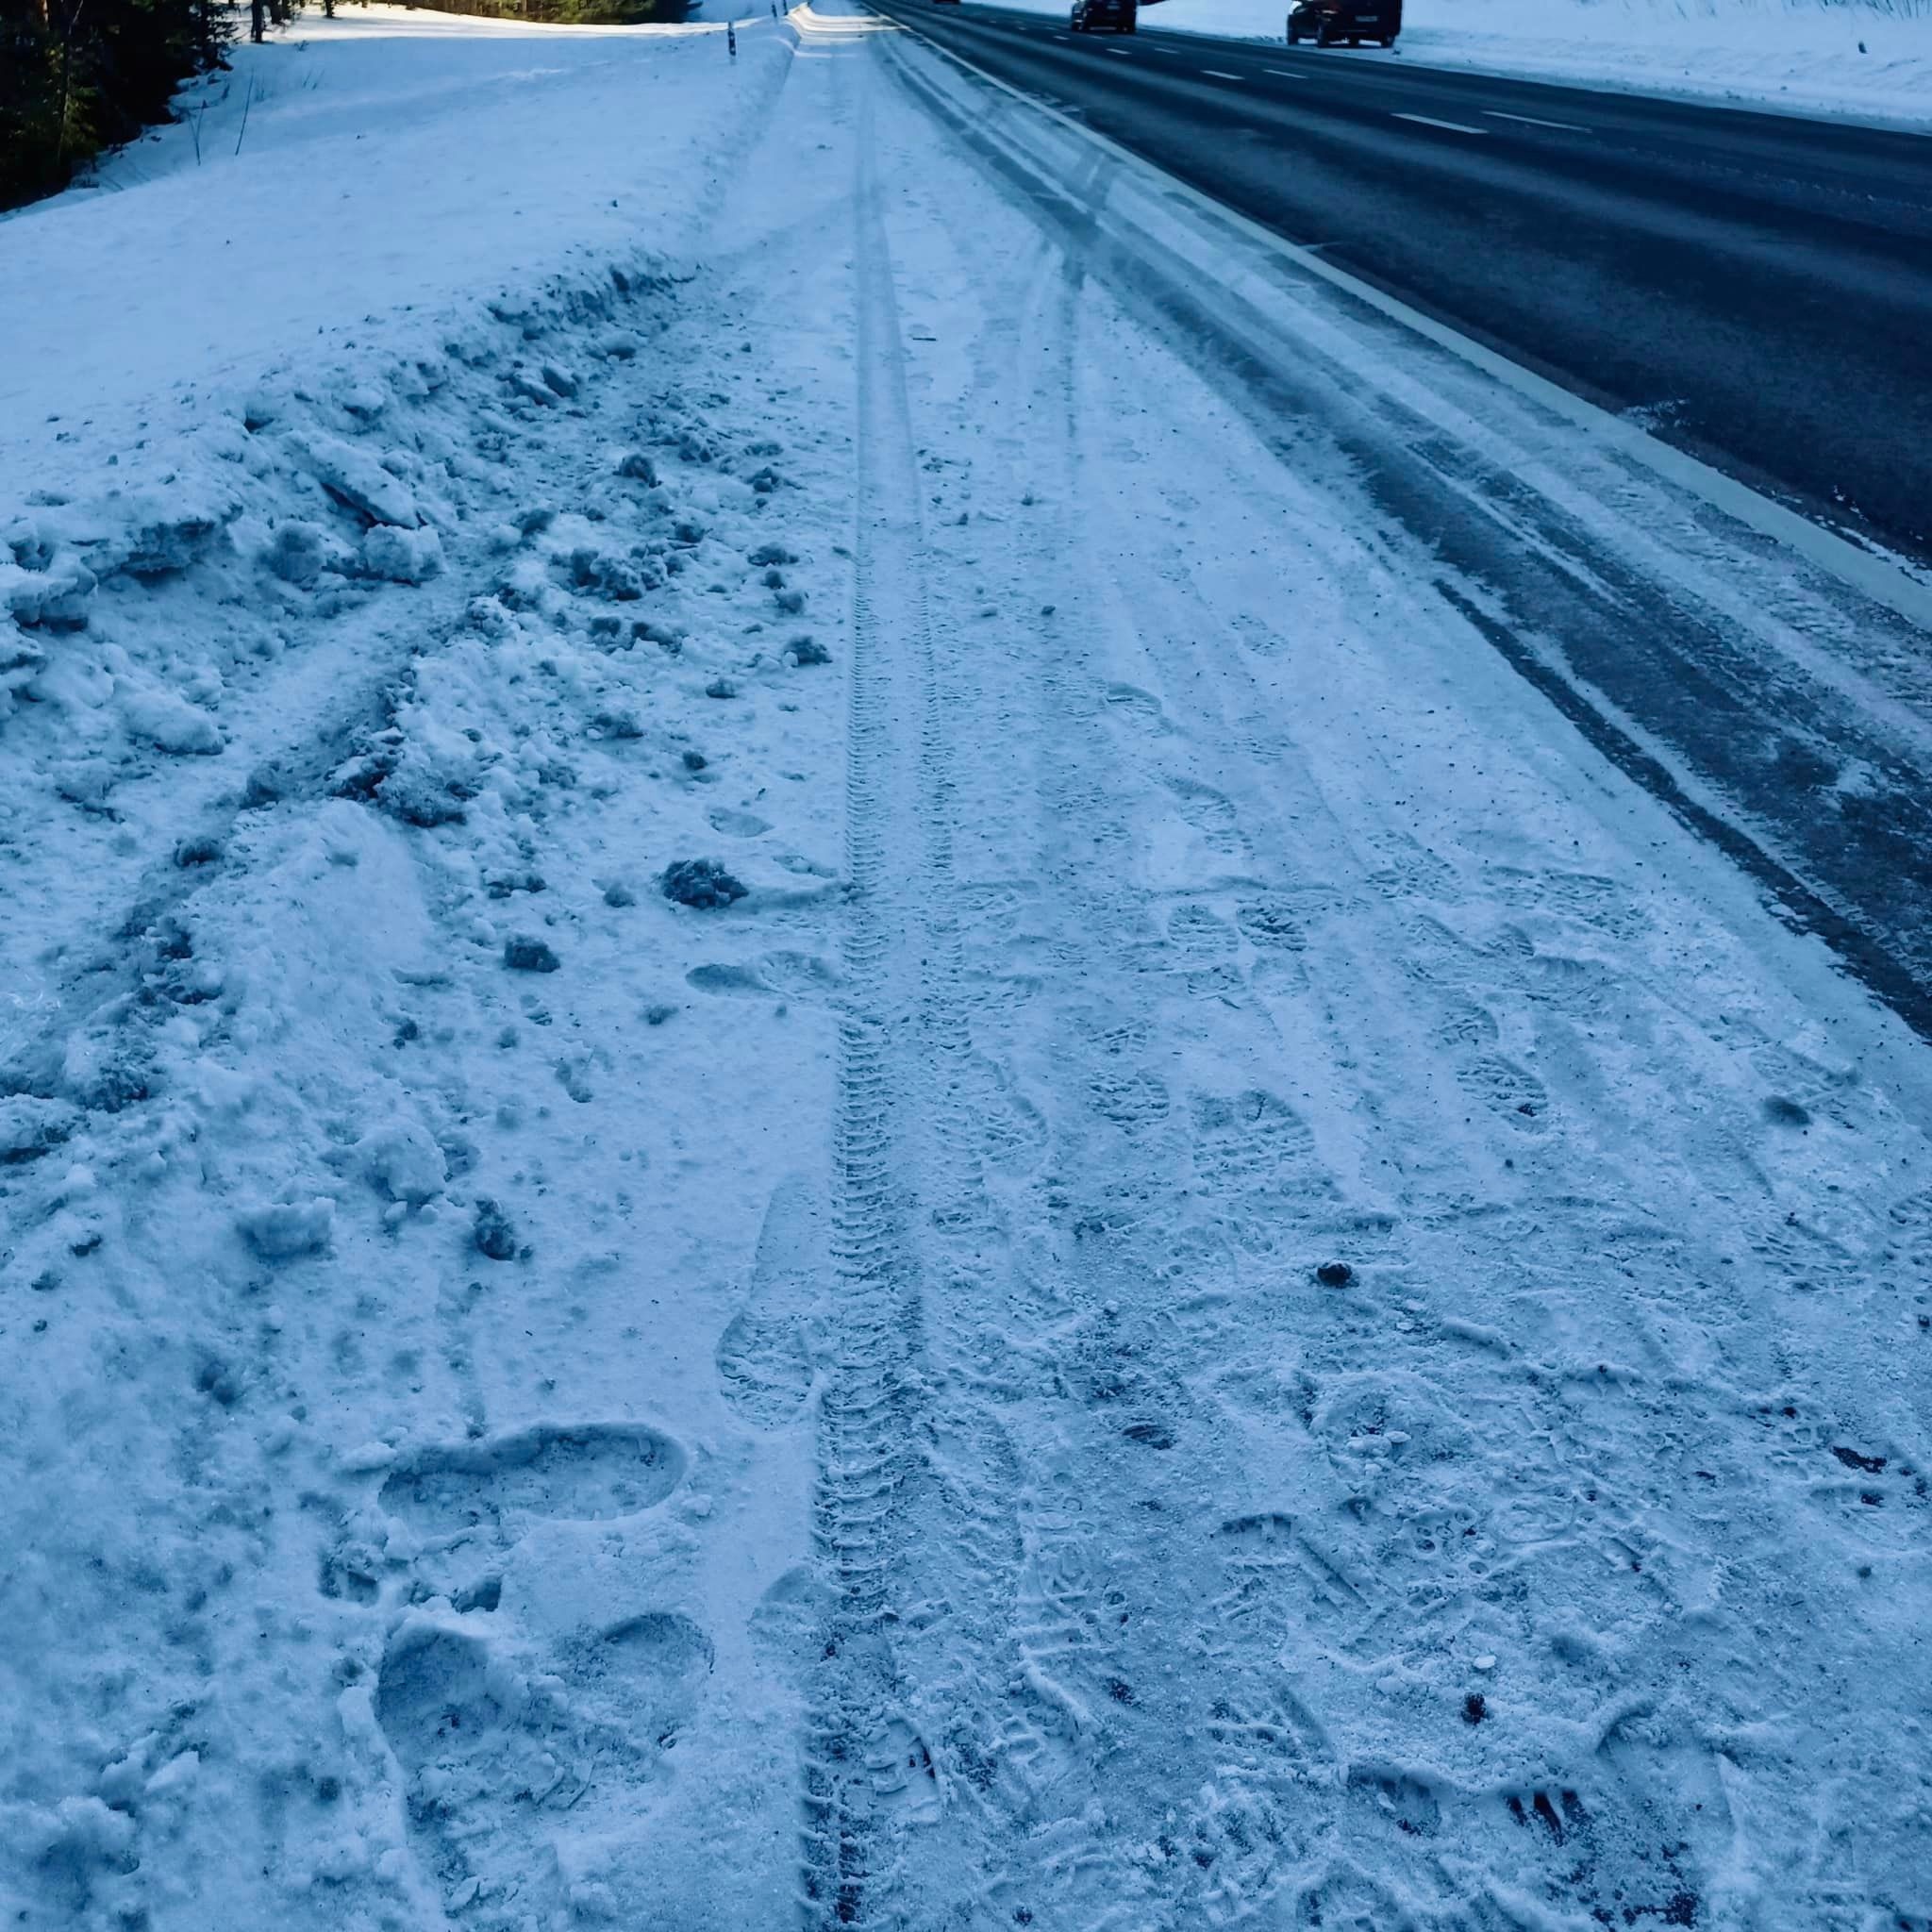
(1531, 120)
(1220, 76)
(1286, 72)
(1430, 120)
(1121, 51)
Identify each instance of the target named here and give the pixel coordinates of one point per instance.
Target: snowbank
(341, 194)
(259, 375)
(378, 621)
(1811, 56)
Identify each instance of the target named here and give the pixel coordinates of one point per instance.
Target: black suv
(1324, 22)
(1104, 16)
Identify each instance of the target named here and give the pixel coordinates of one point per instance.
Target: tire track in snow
(1050, 1639)
(865, 1766)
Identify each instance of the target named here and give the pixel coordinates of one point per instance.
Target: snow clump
(702, 883)
(400, 555)
(280, 1230)
(32, 1127)
(403, 1161)
(493, 1234)
(354, 478)
(300, 551)
(170, 723)
(522, 952)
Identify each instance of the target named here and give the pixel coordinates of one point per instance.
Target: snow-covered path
(1242, 1288)
(1250, 920)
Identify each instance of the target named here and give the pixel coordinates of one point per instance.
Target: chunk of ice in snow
(167, 531)
(57, 596)
(402, 557)
(32, 1127)
(179, 1769)
(300, 551)
(77, 1829)
(279, 1230)
(525, 952)
(354, 477)
(170, 723)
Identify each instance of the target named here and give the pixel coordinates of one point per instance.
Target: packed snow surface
(1868, 59)
(805, 1094)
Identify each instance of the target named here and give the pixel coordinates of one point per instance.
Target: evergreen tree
(78, 76)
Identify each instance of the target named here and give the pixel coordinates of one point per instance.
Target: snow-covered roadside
(307, 389)
(1352, 1190)
(1866, 58)
(1364, 1304)
(389, 178)
(353, 1142)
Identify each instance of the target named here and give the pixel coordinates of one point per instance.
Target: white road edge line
(1430, 120)
(1872, 574)
(1220, 76)
(1531, 120)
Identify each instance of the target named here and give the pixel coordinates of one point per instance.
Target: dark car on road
(1104, 16)
(1326, 22)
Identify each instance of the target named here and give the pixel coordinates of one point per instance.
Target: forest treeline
(80, 76)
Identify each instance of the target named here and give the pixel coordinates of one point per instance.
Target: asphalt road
(1759, 285)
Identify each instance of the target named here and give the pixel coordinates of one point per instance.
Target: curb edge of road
(1873, 574)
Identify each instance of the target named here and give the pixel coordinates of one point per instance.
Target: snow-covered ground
(1867, 58)
(805, 1093)
(384, 159)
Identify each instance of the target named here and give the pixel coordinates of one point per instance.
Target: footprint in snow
(527, 1776)
(765, 1357)
(527, 1772)
(1511, 1093)
(587, 1472)
(774, 975)
(738, 824)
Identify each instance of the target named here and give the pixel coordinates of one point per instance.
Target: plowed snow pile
(394, 584)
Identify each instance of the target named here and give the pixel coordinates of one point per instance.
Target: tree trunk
(69, 21)
(257, 26)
